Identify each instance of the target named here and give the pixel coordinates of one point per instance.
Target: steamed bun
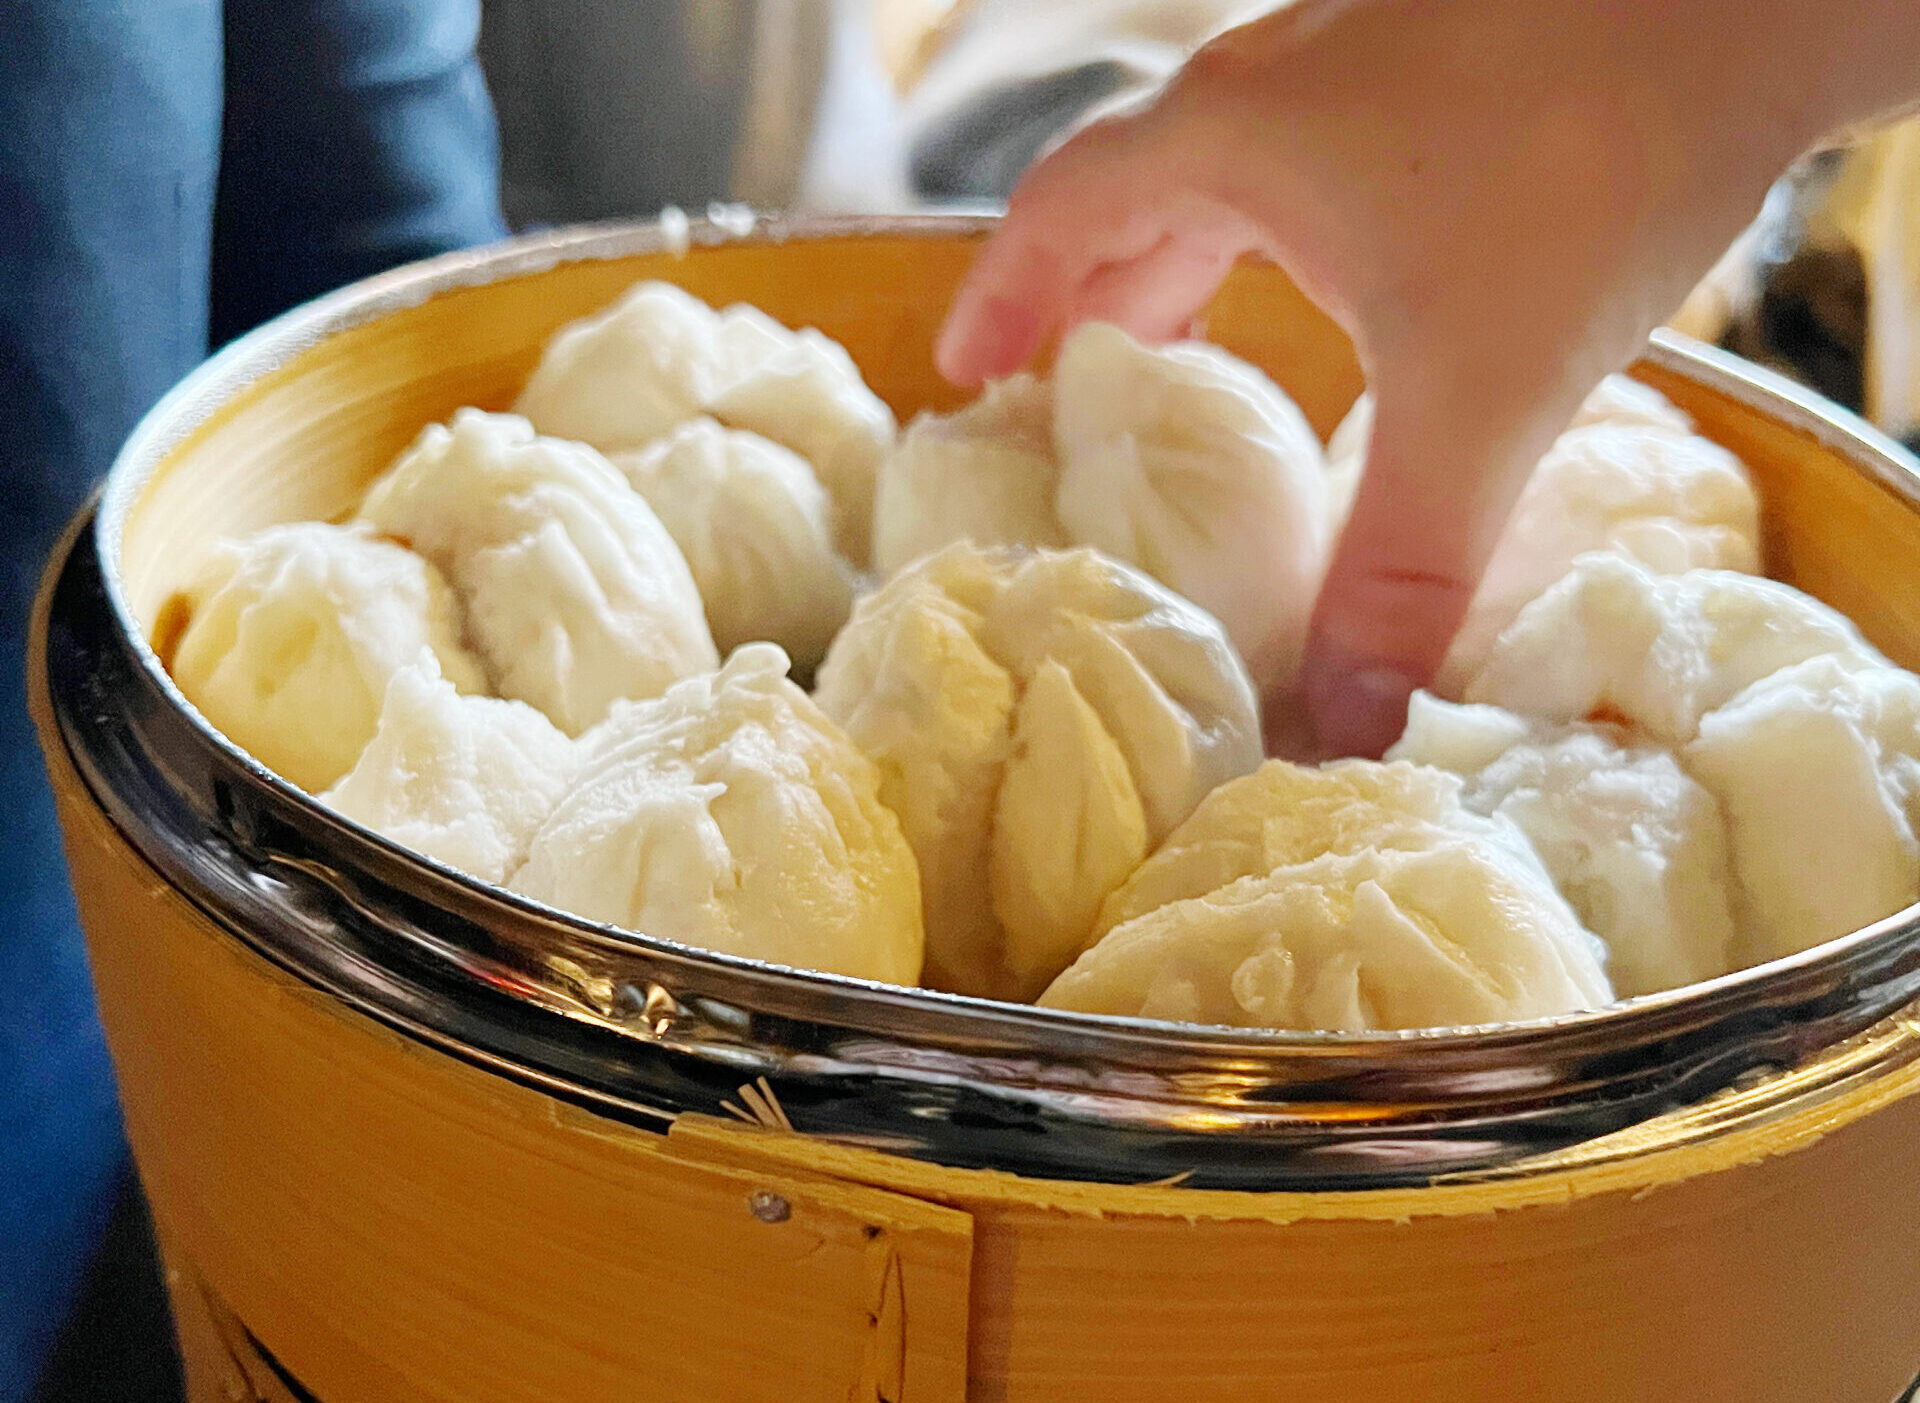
(755, 526)
(293, 634)
(1179, 460)
(576, 596)
(1195, 467)
(1635, 845)
(1614, 641)
(1629, 478)
(659, 356)
(463, 779)
(1671, 502)
(1618, 400)
(1283, 814)
(1818, 769)
(1355, 898)
(1040, 720)
(984, 474)
(806, 393)
(628, 374)
(730, 813)
(1621, 399)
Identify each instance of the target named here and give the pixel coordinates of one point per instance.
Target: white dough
(463, 779)
(755, 526)
(731, 814)
(576, 596)
(1195, 467)
(1461, 737)
(1613, 641)
(293, 633)
(1636, 846)
(1818, 768)
(808, 395)
(659, 356)
(1179, 460)
(1621, 399)
(1281, 815)
(628, 374)
(1353, 898)
(1629, 477)
(1040, 719)
(1672, 502)
(1618, 400)
(984, 474)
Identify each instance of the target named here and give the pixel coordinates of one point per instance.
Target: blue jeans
(171, 172)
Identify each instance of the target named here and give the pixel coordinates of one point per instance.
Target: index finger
(1103, 226)
(1439, 483)
(1011, 299)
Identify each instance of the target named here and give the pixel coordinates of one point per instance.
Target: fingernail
(1358, 711)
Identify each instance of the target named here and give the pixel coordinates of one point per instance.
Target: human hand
(1497, 199)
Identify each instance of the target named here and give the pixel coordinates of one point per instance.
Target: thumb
(1441, 476)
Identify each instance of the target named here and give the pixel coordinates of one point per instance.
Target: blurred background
(610, 108)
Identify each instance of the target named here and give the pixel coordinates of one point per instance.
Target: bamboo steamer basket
(407, 1138)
